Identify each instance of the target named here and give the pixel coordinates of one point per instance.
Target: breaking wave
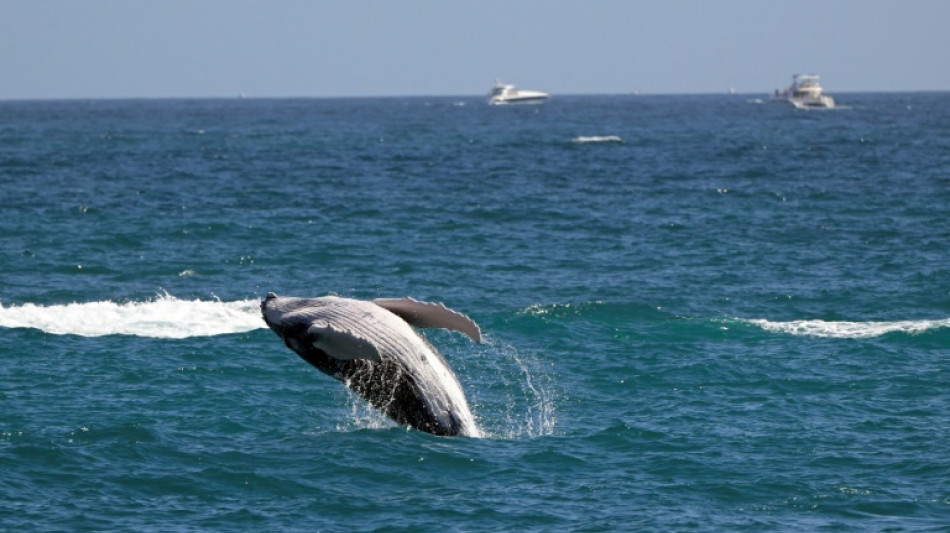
(849, 330)
(597, 139)
(165, 317)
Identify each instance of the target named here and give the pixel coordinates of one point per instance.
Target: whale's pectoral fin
(431, 315)
(340, 344)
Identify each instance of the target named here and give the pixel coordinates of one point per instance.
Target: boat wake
(849, 330)
(165, 317)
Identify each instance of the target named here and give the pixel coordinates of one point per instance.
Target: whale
(374, 348)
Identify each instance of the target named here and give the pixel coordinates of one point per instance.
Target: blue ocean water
(701, 313)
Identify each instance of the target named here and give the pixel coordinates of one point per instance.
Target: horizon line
(243, 96)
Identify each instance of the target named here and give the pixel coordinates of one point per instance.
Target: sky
(333, 48)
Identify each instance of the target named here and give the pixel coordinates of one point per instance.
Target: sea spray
(511, 394)
(514, 398)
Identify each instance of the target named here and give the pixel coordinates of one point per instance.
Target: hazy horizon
(112, 49)
(440, 96)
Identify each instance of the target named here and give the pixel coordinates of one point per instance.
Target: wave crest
(849, 330)
(597, 139)
(164, 317)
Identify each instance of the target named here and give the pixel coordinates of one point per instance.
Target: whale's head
(285, 315)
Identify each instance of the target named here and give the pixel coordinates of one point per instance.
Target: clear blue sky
(278, 48)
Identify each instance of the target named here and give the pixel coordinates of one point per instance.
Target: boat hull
(822, 102)
(518, 100)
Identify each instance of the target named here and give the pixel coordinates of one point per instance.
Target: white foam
(849, 330)
(165, 317)
(597, 139)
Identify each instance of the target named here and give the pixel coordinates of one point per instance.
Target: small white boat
(806, 93)
(503, 93)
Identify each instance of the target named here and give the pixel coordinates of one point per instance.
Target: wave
(597, 139)
(848, 330)
(165, 317)
(615, 313)
(597, 310)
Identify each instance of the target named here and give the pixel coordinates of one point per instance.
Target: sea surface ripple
(701, 313)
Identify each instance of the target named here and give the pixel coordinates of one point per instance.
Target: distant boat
(805, 93)
(503, 94)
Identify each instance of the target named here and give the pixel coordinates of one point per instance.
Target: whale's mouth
(266, 311)
(267, 300)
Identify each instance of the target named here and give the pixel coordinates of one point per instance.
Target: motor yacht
(503, 93)
(806, 93)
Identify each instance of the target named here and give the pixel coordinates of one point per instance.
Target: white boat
(503, 93)
(806, 93)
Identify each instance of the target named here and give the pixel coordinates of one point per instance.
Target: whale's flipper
(431, 315)
(339, 344)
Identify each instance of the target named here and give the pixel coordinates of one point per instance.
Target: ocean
(700, 313)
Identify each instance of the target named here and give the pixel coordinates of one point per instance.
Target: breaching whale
(372, 347)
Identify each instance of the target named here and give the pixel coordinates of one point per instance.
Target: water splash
(515, 397)
(165, 317)
(361, 415)
(511, 394)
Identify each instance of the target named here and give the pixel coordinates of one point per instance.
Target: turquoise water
(701, 313)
